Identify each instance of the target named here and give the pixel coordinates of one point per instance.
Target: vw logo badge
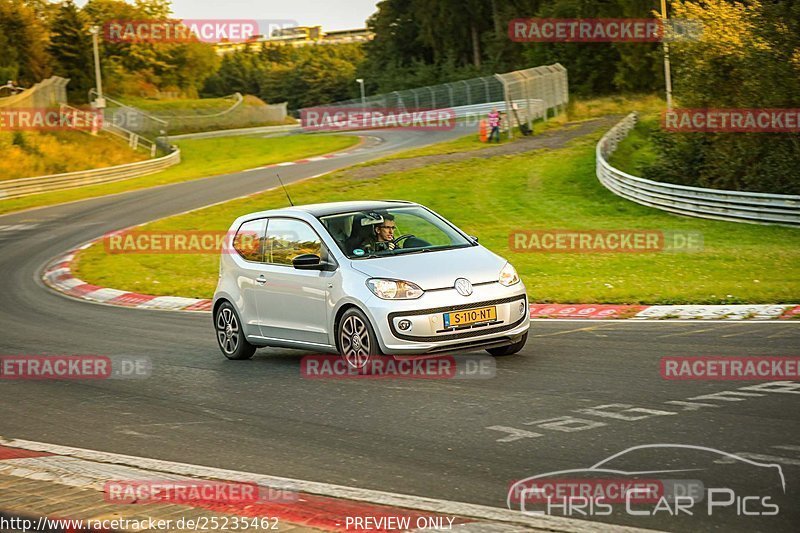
(463, 286)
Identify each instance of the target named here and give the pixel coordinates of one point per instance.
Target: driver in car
(383, 235)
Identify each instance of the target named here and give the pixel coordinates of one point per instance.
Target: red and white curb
(58, 275)
(664, 312)
(319, 505)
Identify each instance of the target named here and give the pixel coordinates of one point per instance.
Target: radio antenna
(284, 190)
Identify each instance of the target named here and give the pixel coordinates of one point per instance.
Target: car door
(292, 303)
(247, 263)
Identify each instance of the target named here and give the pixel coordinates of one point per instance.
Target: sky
(330, 14)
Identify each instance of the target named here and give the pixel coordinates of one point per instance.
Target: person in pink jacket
(494, 124)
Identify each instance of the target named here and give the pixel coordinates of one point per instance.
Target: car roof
(332, 208)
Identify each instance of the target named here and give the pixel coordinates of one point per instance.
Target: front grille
(471, 332)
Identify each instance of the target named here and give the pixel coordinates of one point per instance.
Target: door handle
(261, 279)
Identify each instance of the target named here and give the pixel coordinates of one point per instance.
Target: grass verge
(490, 198)
(27, 154)
(201, 158)
(637, 151)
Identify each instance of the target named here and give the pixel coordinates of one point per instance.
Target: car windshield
(393, 231)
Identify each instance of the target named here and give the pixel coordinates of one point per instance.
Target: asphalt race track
(578, 393)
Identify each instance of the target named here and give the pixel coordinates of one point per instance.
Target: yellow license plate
(470, 316)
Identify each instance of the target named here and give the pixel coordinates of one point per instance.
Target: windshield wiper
(431, 249)
(403, 251)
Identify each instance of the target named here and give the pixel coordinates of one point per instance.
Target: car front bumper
(428, 333)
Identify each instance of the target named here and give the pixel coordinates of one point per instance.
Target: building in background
(298, 36)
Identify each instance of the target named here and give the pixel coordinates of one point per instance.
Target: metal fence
(547, 84)
(734, 206)
(47, 93)
(527, 94)
(120, 116)
(186, 120)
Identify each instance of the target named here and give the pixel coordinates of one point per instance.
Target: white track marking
(13, 228)
(514, 433)
(567, 331)
(790, 447)
(496, 514)
(74, 472)
(692, 332)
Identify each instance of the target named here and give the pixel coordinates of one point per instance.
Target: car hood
(435, 270)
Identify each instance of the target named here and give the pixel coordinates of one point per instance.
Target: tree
(304, 76)
(467, 38)
(71, 48)
(747, 57)
(23, 43)
(145, 68)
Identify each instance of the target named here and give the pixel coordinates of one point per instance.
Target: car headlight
(392, 289)
(508, 275)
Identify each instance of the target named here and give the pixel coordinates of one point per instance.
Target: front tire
(511, 349)
(230, 335)
(356, 339)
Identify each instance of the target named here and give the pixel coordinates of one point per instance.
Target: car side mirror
(474, 238)
(308, 262)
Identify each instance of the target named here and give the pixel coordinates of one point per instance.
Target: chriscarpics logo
(656, 480)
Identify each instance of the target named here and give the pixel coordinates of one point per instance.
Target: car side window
(249, 239)
(288, 238)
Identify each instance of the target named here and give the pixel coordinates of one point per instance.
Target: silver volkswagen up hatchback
(364, 279)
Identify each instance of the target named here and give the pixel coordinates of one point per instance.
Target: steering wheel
(384, 245)
(401, 238)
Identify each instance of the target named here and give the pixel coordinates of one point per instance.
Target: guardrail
(56, 182)
(134, 140)
(733, 206)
